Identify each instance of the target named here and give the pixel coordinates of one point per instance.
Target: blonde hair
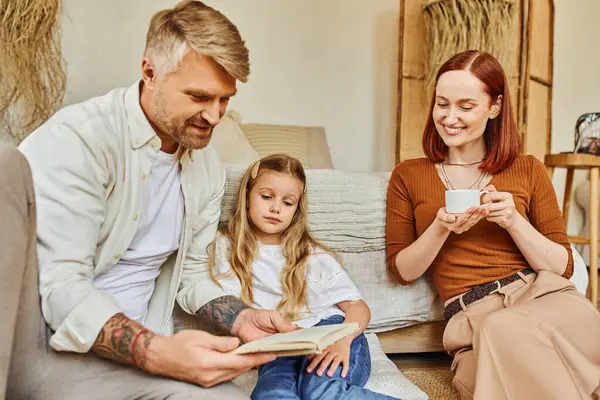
(297, 241)
(196, 26)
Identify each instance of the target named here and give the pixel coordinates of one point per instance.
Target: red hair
(502, 137)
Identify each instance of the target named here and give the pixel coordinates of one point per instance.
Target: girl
(270, 260)
(518, 329)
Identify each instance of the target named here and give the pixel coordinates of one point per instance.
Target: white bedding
(392, 305)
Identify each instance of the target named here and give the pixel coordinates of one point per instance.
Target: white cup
(460, 200)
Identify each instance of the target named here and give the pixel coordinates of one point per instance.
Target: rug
(437, 383)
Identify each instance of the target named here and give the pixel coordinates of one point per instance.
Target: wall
(315, 62)
(326, 63)
(576, 81)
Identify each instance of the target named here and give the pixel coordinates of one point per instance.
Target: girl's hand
(331, 357)
(461, 223)
(501, 208)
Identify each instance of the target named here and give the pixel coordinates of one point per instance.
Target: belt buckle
(497, 282)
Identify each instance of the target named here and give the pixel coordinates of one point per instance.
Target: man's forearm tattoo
(116, 339)
(220, 314)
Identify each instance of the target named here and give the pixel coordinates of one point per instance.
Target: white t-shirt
(327, 282)
(131, 280)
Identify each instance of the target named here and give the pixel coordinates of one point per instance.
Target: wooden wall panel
(513, 87)
(414, 110)
(537, 141)
(415, 45)
(536, 125)
(515, 71)
(541, 38)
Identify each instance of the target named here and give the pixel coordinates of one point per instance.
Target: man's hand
(336, 354)
(256, 324)
(192, 356)
(228, 315)
(461, 223)
(200, 358)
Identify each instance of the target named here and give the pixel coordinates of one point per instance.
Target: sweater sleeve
(400, 224)
(544, 213)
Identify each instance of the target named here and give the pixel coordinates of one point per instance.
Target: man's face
(187, 103)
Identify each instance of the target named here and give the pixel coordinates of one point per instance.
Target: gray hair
(192, 25)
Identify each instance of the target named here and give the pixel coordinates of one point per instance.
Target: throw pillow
(269, 139)
(231, 143)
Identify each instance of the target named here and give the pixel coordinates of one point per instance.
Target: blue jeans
(286, 377)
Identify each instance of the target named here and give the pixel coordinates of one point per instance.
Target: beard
(188, 137)
(183, 131)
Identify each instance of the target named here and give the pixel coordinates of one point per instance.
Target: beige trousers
(29, 368)
(537, 338)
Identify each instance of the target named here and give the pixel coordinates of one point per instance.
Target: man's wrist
(239, 321)
(154, 355)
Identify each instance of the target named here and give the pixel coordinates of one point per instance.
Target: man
(128, 194)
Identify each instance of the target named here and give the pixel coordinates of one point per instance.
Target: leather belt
(480, 291)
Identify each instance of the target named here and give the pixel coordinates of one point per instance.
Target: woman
(518, 329)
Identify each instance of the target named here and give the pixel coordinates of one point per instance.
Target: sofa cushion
(231, 143)
(346, 211)
(392, 305)
(269, 139)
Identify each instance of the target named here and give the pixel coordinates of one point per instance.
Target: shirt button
(118, 256)
(144, 176)
(136, 218)
(137, 140)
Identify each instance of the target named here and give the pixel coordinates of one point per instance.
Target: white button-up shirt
(89, 163)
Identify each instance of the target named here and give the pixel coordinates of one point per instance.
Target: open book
(300, 342)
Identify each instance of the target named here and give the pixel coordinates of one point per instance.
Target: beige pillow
(231, 143)
(269, 139)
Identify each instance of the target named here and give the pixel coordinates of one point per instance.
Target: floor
(430, 372)
(421, 360)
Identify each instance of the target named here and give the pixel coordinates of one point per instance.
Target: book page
(302, 341)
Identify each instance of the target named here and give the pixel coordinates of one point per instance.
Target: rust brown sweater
(486, 252)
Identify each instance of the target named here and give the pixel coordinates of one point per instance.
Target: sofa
(346, 213)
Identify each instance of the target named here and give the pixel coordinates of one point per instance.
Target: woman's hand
(336, 354)
(501, 207)
(461, 223)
